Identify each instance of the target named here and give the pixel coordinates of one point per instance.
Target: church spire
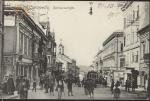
(61, 48)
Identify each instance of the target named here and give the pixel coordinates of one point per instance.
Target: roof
(29, 20)
(126, 5)
(113, 35)
(144, 29)
(99, 52)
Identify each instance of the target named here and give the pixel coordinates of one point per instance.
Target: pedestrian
(46, 84)
(117, 92)
(34, 85)
(4, 85)
(22, 88)
(117, 83)
(91, 85)
(10, 85)
(133, 85)
(41, 83)
(112, 85)
(127, 85)
(69, 86)
(60, 86)
(51, 84)
(86, 86)
(17, 84)
(105, 83)
(27, 87)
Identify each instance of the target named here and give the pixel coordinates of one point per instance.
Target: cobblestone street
(78, 92)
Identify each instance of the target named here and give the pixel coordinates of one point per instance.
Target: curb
(10, 97)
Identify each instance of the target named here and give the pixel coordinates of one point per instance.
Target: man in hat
(10, 85)
(17, 83)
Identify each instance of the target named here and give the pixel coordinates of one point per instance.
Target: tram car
(94, 76)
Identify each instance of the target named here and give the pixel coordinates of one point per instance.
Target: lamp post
(91, 10)
(147, 61)
(1, 37)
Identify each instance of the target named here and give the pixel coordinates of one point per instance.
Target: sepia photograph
(74, 50)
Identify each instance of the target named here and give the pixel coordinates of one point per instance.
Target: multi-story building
(25, 45)
(144, 35)
(63, 58)
(51, 49)
(112, 56)
(136, 16)
(98, 60)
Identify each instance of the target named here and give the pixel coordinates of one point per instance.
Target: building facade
(144, 35)
(68, 65)
(136, 15)
(112, 49)
(25, 45)
(51, 50)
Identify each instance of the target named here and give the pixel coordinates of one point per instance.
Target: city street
(103, 46)
(78, 92)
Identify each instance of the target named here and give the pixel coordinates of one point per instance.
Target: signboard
(9, 20)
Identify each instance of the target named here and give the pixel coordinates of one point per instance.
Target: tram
(94, 76)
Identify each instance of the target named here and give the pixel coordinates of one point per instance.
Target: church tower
(61, 48)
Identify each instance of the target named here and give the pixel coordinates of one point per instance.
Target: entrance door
(129, 76)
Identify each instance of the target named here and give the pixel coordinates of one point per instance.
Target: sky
(82, 34)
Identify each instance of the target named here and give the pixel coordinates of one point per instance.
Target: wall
(9, 38)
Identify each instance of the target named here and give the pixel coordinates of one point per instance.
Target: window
(29, 46)
(21, 42)
(48, 59)
(132, 57)
(136, 56)
(122, 62)
(143, 49)
(124, 23)
(49, 45)
(25, 45)
(133, 15)
(121, 47)
(124, 40)
(137, 13)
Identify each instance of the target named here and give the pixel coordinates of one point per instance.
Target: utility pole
(1, 37)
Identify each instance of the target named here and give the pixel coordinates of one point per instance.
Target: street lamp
(147, 61)
(91, 10)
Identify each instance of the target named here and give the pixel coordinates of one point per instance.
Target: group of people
(116, 91)
(130, 84)
(21, 85)
(89, 85)
(8, 86)
(52, 83)
(103, 81)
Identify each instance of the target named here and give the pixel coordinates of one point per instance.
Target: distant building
(63, 58)
(98, 60)
(68, 65)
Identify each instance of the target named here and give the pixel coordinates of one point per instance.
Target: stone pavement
(100, 93)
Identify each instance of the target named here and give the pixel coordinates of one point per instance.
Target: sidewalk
(6, 96)
(139, 92)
